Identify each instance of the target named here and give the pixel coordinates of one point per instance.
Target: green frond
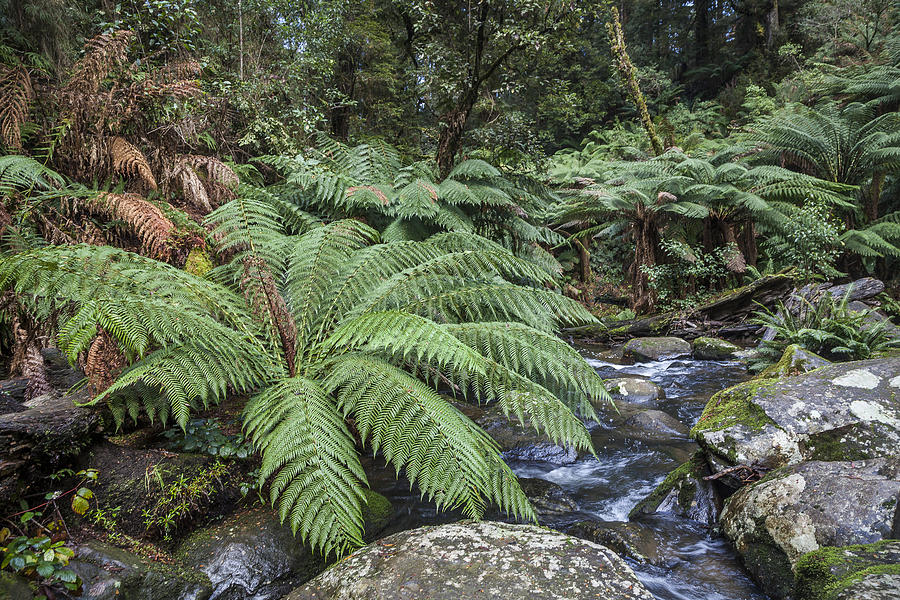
(448, 457)
(310, 458)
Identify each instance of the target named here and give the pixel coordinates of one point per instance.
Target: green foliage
(324, 325)
(827, 327)
(206, 437)
(810, 240)
(689, 276)
(181, 498)
(38, 558)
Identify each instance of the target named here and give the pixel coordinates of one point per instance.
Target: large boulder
(649, 349)
(110, 573)
(521, 441)
(547, 498)
(633, 389)
(842, 411)
(477, 560)
(801, 508)
(654, 425)
(870, 571)
(684, 492)
(710, 348)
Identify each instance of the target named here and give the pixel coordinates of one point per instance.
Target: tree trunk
(451, 136)
(873, 196)
(646, 241)
(772, 25)
(629, 75)
(701, 31)
(584, 257)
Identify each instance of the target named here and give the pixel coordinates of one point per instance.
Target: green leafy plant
(810, 241)
(206, 436)
(38, 558)
(690, 275)
(826, 326)
(326, 324)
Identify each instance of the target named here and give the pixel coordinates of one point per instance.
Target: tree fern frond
(310, 457)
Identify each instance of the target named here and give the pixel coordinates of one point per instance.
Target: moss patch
(734, 406)
(682, 479)
(823, 574)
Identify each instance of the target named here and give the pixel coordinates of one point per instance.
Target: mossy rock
(685, 493)
(377, 513)
(840, 411)
(793, 361)
(14, 587)
(648, 349)
(827, 573)
(711, 348)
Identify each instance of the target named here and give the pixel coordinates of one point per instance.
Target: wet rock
(634, 390)
(801, 508)
(684, 493)
(870, 571)
(48, 434)
(110, 573)
(548, 499)
(874, 317)
(630, 540)
(522, 442)
(650, 349)
(842, 411)
(12, 395)
(795, 360)
(477, 560)
(654, 425)
(250, 555)
(710, 348)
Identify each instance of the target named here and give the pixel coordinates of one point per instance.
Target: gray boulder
(547, 498)
(634, 390)
(794, 360)
(843, 411)
(710, 348)
(110, 573)
(870, 571)
(861, 289)
(654, 425)
(650, 349)
(477, 560)
(801, 508)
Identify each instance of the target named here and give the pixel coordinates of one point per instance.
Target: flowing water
(698, 565)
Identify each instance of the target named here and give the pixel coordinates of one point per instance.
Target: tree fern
(377, 328)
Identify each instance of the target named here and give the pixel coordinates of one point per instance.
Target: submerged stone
(685, 493)
(477, 560)
(634, 390)
(630, 540)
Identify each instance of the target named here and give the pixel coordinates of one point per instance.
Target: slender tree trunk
(873, 196)
(701, 31)
(450, 139)
(241, 38)
(629, 75)
(772, 25)
(646, 241)
(584, 257)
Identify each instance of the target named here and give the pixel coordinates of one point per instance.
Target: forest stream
(694, 563)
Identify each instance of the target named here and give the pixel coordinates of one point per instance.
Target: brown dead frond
(221, 181)
(146, 220)
(15, 93)
(104, 363)
(103, 54)
(128, 160)
(192, 187)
